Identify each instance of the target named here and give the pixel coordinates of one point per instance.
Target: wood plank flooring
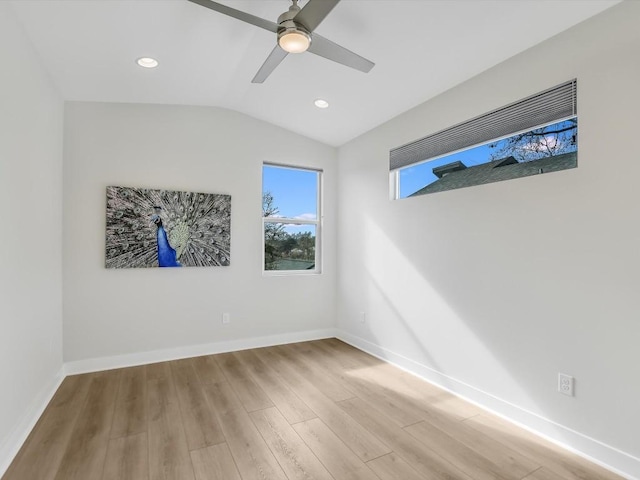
(319, 410)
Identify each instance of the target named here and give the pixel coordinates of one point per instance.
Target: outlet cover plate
(565, 384)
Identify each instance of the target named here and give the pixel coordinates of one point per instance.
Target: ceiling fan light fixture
(294, 41)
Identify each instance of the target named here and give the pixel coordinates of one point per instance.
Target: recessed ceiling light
(147, 62)
(320, 103)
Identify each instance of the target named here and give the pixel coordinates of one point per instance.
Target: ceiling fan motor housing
(287, 25)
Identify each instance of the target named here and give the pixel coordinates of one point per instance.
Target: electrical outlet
(226, 318)
(565, 384)
(362, 317)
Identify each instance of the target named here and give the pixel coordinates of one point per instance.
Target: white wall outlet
(362, 317)
(226, 318)
(565, 384)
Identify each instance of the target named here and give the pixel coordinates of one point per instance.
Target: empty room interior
(403, 233)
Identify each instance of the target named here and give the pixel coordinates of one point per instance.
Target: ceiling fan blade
(314, 12)
(332, 51)
(232, 12)
(273, 60)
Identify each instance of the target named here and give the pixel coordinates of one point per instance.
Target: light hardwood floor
(314, 410)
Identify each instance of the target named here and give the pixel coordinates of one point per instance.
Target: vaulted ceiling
(420, 47)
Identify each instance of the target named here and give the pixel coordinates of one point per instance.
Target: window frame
(550, 106)
(317, 270)
(395, 174)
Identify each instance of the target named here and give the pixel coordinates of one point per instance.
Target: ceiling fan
(295, 35)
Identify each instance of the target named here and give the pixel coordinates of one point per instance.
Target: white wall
(116, 312)
(31, 119)
(493, 290)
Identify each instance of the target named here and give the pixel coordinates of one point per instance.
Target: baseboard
(11, 446)
(609, 457)
(143, 358)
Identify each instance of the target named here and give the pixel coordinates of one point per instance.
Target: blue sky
(294, 192)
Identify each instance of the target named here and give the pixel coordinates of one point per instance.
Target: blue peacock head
(156, 218)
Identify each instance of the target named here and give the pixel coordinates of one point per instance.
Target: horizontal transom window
(533, 129)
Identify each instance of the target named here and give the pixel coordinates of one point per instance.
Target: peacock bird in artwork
(164, 228)
(167, 256)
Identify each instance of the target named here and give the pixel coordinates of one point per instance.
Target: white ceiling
(421, 48)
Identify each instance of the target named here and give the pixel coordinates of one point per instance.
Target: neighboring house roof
(457, 175)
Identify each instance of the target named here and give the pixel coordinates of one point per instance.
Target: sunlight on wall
(416, 322)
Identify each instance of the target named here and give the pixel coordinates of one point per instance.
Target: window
(535, 135)
(291, 219)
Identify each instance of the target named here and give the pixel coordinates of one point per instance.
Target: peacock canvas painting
(165, 228)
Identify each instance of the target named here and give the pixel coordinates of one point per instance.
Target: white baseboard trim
(143, 358)
(609, 457)
(12, 444)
